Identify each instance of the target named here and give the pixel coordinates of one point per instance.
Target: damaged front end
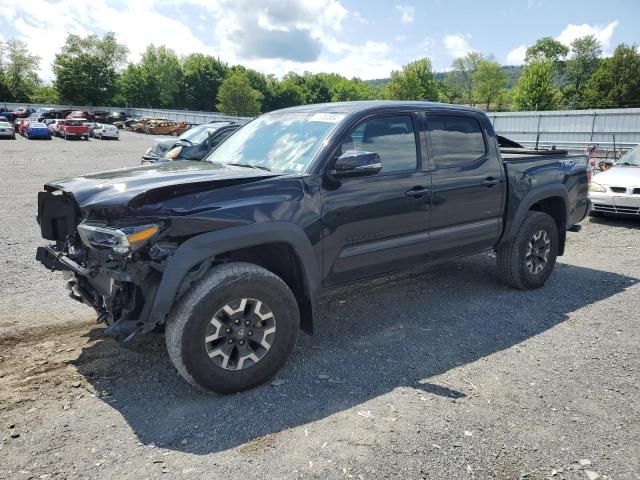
(113, 266)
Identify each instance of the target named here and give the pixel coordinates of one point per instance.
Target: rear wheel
(528, 259)
(234, 330)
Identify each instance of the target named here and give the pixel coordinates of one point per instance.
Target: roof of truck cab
(359, 106)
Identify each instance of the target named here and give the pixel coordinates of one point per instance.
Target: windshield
(285, 142)
(199, 134)
(632, 157)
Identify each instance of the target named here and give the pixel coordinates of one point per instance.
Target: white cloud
(603, 33)
(407, 13)
(272, 36)
(516, 56)
(457, 45)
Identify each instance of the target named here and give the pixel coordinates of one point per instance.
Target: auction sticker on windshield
(327, 117)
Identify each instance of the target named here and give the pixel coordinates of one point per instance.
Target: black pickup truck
(229, 253)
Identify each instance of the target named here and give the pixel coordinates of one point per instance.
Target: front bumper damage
(120, 288)
(121, 292)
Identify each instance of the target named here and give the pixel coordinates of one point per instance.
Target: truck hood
(136, 186)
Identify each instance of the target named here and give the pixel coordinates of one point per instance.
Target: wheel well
(281, 259)
(556, 208)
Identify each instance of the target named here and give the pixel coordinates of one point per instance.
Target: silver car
(104, 130)
(6, 130)
(617, 190)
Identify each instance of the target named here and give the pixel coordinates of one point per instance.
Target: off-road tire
(512, 258)
(189, 318)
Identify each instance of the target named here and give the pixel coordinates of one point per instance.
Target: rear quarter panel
(532, 178)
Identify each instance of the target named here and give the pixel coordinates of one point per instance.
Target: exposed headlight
(120, 240)
(596, 187)
(173, 153)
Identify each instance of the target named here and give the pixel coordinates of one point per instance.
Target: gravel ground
(439, 374)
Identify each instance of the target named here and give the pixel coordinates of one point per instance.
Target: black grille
(619, 189)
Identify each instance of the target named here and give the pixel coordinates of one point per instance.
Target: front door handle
(417, 192)
(490, 181)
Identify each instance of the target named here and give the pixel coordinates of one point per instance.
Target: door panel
(467, 187)
(377, 224)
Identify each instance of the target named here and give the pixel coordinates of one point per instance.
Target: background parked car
(19, 125)
(35, 130)
(53, 124)
(194, 144)
(6, 130)
(23, 112)
(116, 117)
(104, 131)
(617, 190)
(83, 114)
(6, 114)
(74, 128)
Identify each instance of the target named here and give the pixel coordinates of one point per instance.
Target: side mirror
(356, 163)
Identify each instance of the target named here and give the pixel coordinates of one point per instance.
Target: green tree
(237, 97)
(318, 87)
(535, 89)
(86, 69)
(449, 89)
(161, 73)
(415, 81)
(132, 88)
(461, 76)
(19, 71)
(287, 93)
(490, 82)
(616, 82)
(45, 94)
(582, 64)
(202, 77)
(546, 48)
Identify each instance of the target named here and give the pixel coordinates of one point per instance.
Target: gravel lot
(440, 374)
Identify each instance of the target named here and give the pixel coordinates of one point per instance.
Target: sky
(362, 38)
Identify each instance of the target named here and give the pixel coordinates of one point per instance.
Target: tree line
(93, 70)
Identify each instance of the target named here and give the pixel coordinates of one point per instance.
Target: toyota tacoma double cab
(228, 254)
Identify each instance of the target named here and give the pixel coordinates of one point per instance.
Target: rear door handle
(417, 192)
(490, 181)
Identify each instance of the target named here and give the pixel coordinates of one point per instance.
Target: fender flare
(207, 245)
(525, 204)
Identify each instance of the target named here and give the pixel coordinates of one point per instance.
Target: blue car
(37, 130)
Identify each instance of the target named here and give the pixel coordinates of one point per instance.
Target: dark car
(194, 144)
(7, 115)
(116, 117)
(231, 253)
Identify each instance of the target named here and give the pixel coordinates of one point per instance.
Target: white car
(617, 190)
(6, 130)
(103, 130)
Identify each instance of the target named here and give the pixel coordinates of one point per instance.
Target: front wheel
(528, 259)
(234, 329)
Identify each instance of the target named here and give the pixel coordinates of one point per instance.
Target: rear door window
(454, 140)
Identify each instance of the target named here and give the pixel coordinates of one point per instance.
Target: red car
(20, 125)
(74, 128)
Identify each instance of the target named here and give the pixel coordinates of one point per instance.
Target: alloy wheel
(538, 252)
(240, 334)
